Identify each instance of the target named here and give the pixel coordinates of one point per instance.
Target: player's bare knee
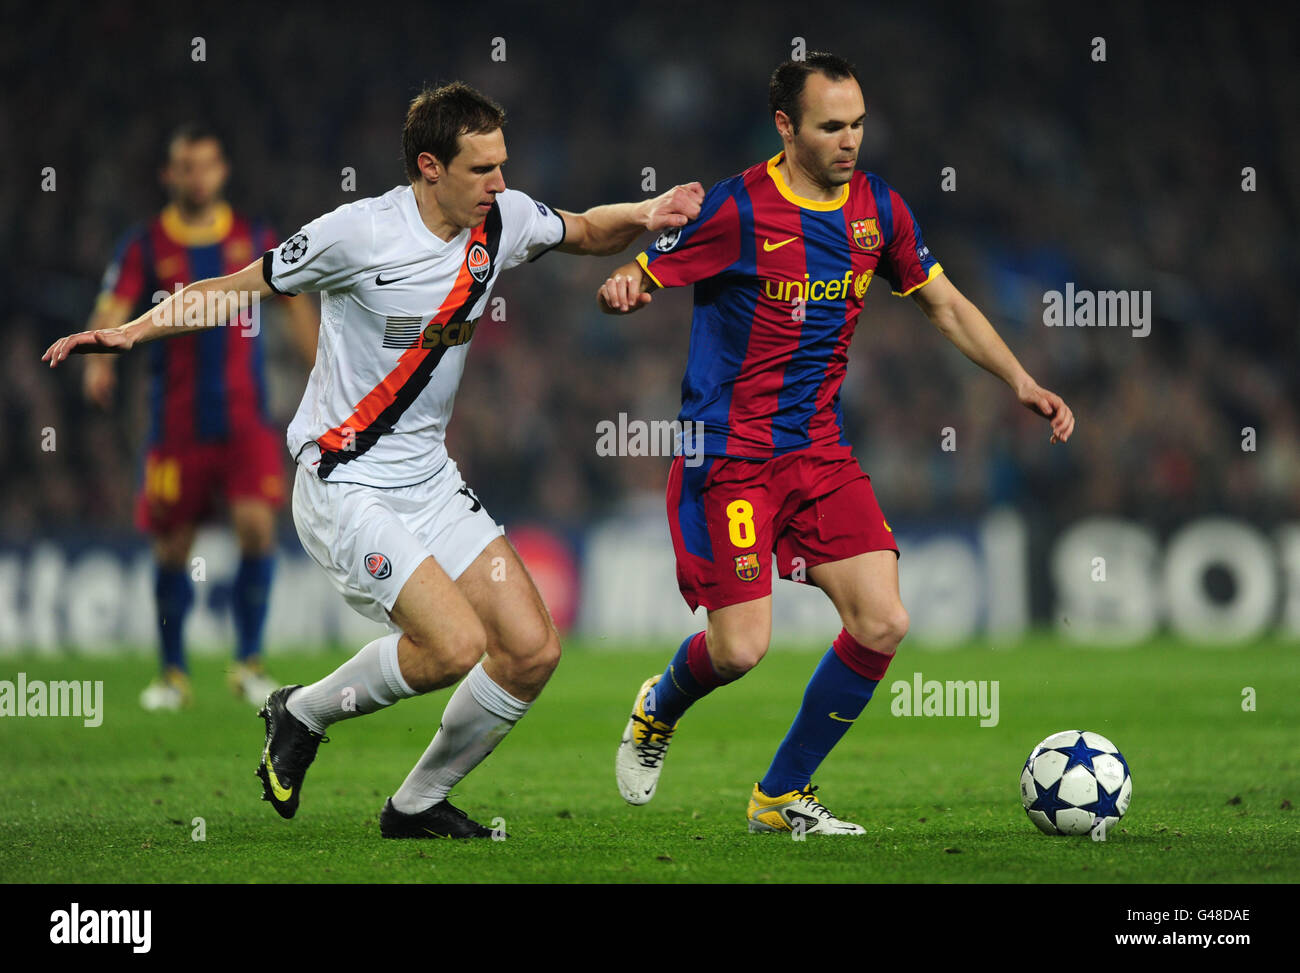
(548, 656)
(462, 651)
(731, 660)
(171, 559)
(254, 525)
(898, 623)
(172, 550)
(255, 541)
(880, 631)
(534, 666)
(534, 644)
(438, 661)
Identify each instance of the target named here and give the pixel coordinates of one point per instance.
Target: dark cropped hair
(439, 116)
(788, 80)
(191, 132)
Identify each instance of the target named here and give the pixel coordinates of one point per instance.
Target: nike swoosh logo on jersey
(836, 716)
(769, 246)
(391, 280)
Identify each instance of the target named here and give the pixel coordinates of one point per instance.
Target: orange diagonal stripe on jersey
(382, 395)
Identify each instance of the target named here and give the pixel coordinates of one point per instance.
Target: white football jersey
(398, 310)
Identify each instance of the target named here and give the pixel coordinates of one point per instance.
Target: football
(1076, 782)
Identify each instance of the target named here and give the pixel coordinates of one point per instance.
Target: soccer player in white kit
(378, 503)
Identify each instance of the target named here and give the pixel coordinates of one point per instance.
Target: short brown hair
(191, 132)
(438, 117)
(787, 83)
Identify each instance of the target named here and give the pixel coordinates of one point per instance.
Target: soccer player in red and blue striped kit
(210, 438)
(781, 257)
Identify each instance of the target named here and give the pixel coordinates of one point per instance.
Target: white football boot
(641, 751)
(798, 812)
(251, 683)
(168, 693)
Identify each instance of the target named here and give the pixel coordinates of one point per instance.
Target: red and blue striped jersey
(204, 387)
(779, 283)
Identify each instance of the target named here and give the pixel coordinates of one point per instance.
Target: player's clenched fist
(87, 342)
(677, 207)
(621, 294)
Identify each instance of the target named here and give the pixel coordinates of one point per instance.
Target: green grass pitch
(1213, 784)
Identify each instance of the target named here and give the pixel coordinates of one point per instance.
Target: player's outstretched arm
(610, 229)
(961, 322)
(627, 290)
(203, 304)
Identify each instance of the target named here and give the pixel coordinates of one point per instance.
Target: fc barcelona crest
(747, 567)
(866, 233)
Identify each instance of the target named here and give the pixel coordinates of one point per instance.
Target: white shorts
(370, 539)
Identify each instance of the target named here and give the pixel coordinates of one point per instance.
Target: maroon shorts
(184, 483)
(728, 516)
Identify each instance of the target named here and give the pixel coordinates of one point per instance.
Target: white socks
(367, 682)
(478, 716)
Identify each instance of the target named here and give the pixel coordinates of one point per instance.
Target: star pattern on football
(1106, 805)
(1049, 801)
(1074, 777)
(1079, 755)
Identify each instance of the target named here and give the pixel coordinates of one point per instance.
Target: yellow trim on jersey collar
(197, 236)
(823, 206)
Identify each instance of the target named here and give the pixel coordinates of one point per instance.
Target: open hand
(104, 341)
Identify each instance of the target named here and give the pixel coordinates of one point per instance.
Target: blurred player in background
(378, 503)
(209, 439)
(781, 257)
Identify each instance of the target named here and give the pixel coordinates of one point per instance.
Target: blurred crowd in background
(1123, 174)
